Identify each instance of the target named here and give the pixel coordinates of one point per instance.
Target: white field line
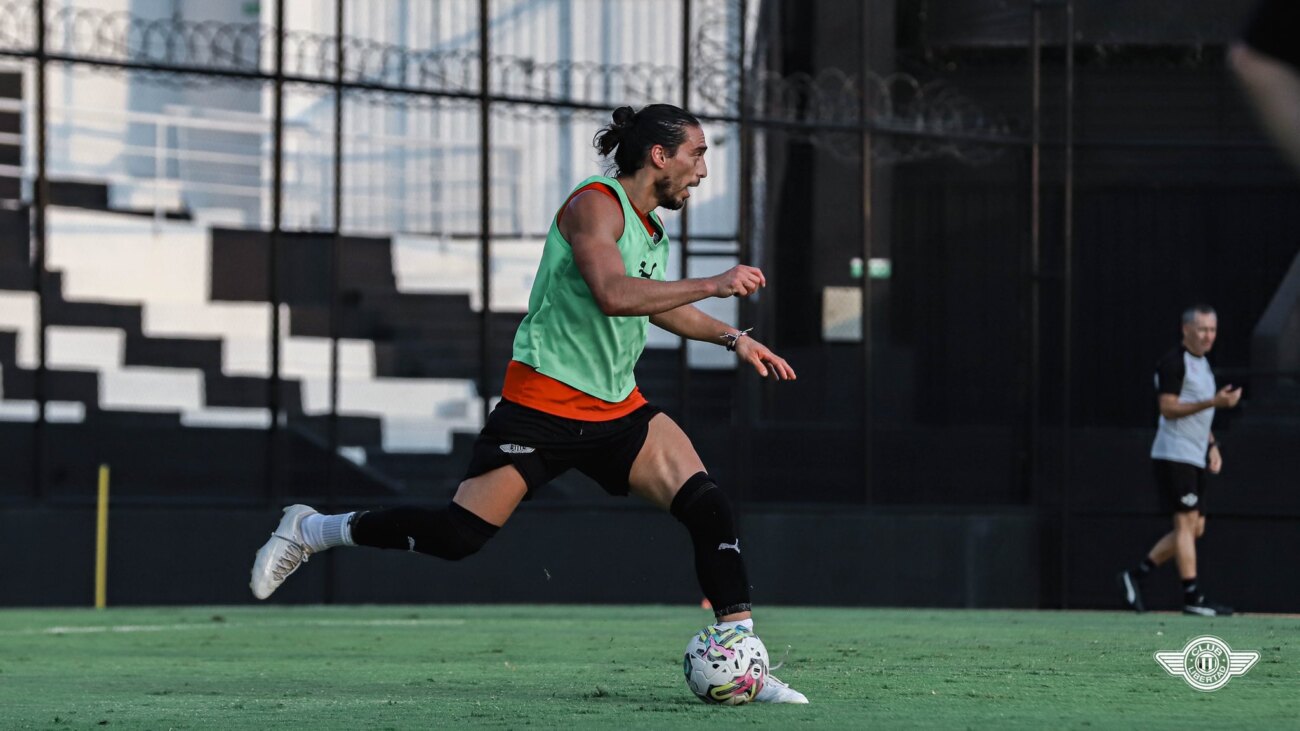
(289, 624)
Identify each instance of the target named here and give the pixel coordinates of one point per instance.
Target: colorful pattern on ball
(725, 665)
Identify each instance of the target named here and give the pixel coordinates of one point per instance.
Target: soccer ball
(725, 666)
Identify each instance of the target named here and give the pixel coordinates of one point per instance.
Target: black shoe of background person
(1203, 608)
(1132, 587)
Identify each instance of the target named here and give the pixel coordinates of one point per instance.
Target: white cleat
(282, 554)
(776, 691)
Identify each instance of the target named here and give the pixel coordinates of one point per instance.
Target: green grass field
(409, 667)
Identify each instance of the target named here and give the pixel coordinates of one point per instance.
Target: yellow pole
(101, 541)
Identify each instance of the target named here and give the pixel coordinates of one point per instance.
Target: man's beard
(663, 191)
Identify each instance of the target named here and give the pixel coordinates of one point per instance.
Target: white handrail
(424, 201)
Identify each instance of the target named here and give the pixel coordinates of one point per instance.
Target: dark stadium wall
(816, 212)
(1178, 199)
(798, 555)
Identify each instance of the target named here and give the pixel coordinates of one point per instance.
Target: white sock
(320, 532)
(746, 623)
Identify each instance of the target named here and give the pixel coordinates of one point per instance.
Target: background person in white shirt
(1184, 449)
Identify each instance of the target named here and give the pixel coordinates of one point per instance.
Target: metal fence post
(41, 197)
(277, 204)
(485, 205)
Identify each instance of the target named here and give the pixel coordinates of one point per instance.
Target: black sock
(703, 508)
(1190, 590)
(1144, 568)
(452, 532)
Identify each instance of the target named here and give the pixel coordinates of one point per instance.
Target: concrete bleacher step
(303, 263)
(8, 348)
(11, 123)
(380, 314)
(390, 336)
(387, 316)
(415, 335)
(360, 430)
(204, 355)
(153, 458)
(17, 278)
(306, 465)
(80, 386)
(105, 337)
(236, 391)
(425, 473)
(104, 346)
(59, 311)
(15, 238)
(453, 359)
(79, 194)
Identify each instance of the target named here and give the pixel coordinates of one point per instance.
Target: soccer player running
(1184, 449)
(570, 399)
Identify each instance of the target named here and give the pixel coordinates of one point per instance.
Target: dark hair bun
(623, 116)
(631, 134)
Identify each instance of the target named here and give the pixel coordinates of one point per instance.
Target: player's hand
(738, 281)
(1227, 397)
(764, 360)
(1216, 460)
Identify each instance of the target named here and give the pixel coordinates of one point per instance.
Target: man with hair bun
(570, 399)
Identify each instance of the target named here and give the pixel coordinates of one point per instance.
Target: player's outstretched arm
(593, 223)
(1273, 88)
(688, 321)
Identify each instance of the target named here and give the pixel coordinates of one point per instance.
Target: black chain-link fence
(257, 251)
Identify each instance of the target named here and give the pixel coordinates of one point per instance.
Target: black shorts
(1180, 486)
(542, 446)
